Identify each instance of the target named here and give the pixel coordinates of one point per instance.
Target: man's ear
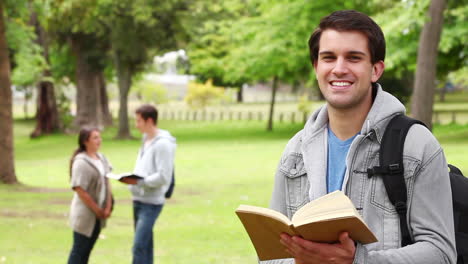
(377, 70)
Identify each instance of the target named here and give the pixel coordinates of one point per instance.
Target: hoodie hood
(165, 134)
(162, 134)
(314, 139)
(384, 106)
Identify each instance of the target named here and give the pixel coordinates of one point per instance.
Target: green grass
(218, 167)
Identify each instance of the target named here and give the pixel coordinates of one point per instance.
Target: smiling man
(341, 140)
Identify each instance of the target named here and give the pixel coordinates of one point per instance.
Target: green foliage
(27, 58)
(208, 25)
(151, 92)
(460, 77)
(235, 42)
(201, 95)
(133, 30)
(63, 108)
(304, 105)
(402, 22)
(62, 62)
(263, 40)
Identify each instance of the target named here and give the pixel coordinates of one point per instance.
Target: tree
(424, 87)
(273, 44)
(47, 116)
(89, 51)
(207, 24)
(7, 166)
(78, 24)
(139, 29)
(128, 33)
(402, 22)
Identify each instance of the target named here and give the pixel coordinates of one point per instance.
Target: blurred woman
(92, 200)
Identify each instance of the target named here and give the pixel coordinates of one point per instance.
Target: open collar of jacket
(314, 141)
(89, 160)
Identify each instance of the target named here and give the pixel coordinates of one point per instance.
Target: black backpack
(169, 191)
(391, 170)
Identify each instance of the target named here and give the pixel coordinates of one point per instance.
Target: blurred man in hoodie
(155, 163)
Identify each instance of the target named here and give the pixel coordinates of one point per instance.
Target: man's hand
(308, 252)
(128, 180)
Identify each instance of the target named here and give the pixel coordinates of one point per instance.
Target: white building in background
(169, 78)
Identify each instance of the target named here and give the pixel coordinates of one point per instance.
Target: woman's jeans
(82, 245)
(144, 216)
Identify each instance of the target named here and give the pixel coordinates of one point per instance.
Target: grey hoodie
(155, 163)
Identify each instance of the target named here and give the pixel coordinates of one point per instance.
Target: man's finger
(346, 241)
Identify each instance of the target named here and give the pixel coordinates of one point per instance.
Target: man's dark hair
(148, 111)
(350, 20)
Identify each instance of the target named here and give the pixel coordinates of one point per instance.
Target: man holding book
(341, 140)
(155, 164)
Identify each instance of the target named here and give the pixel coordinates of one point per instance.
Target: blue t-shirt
(337, 152)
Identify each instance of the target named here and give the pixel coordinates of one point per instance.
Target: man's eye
(354, 58)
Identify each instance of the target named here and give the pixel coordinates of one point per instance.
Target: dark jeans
(82, 245)
(144, 217)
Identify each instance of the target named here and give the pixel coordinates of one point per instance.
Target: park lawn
(218, 166)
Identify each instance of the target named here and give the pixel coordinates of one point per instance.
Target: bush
(304, 104)
(200, 95)
(150, 92)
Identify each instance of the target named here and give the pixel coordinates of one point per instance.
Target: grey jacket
(156, 164)
(301, 177)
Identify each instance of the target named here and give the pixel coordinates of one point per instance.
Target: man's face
(344, 70)
(141, 124)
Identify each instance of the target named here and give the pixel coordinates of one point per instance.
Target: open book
(122, 175)
(321, 220)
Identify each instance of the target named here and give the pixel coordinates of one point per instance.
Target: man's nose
(340, 67)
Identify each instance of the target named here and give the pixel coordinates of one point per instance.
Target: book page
(263, 211)
(332, 205)
(323, 219)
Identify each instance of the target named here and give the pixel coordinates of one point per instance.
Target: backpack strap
(391, 168)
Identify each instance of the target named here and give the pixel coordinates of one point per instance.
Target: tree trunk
(240, 94)
(47, 117)
(25, 103)
(272, 103)
(442, 91)
(7, 163)
(106, 114)
(425, 81)
(88, 101)
(124, 77)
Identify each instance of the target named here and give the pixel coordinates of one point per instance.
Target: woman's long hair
(84, 135)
